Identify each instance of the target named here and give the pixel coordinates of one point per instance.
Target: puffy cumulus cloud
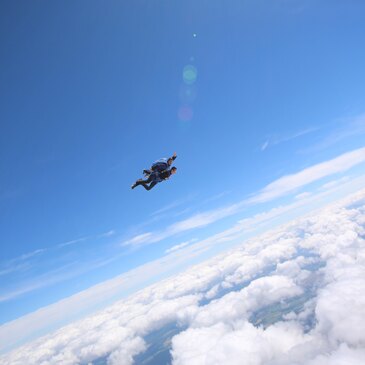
(239, 344)
(341, 308)
(327, 272)
(124, 355)
(342, 356)
(294, 295)
(237, 305)
(115, 333)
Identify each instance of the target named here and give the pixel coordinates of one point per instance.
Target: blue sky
(94, 92)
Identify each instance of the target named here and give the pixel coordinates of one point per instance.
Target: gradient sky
(245, 92)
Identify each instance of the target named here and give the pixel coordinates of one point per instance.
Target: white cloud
(262, 281)
(124, 355)
(336, 182)
(131, 281)
(289, 183)
(26, 260)
(275, 140)
(303, 195)
(265, 145)
(107, 234)
(141, 238)
(115, 333)
(220, 332)
(239, 344)
(203, 219)
(196, 221)
(238, 305)
(278, 188)
(173, 205)
(345, 129)
(19, 263)
(54, 276)
(8, 269)
(72, 242)
(180, 246)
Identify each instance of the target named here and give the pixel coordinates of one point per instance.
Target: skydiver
(160, 170)
(161, 165)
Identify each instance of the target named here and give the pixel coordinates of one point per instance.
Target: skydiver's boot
(136, 183)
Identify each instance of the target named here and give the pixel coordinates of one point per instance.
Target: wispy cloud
(72, 242)
(173, 205)
(20, 263)
(8, 269)
(31, 254)
(141, 238)
(185, 251)
(87, 238)
(177, 203)
(307, 202)
(289, 183)
(181, 245)
(270, 269)
(217, 196)
(87, 300)
(345, 128)
(275, 140)
(110, 233)
(336, 182)
(303, 195)
(28, 260)
(57, 275)
(196, 221)
(265, 145)
(44, 280)
(278, 188)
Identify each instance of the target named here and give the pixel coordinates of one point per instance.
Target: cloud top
(294, 295)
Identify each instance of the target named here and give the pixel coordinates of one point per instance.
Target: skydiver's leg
(150, 186)
(147, 181)
(141, 182)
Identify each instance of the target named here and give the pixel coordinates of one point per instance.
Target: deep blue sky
(90, 93)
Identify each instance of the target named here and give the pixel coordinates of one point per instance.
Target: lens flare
(187, 94)
(190, 74)
(185, 113)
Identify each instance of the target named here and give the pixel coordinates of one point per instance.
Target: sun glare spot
(187, 94)
(190, 74)
(185, 113)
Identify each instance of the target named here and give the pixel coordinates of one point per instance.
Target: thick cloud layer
(295, 295)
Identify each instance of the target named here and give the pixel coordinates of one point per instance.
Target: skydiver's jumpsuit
(154, 178)
(159, 171)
